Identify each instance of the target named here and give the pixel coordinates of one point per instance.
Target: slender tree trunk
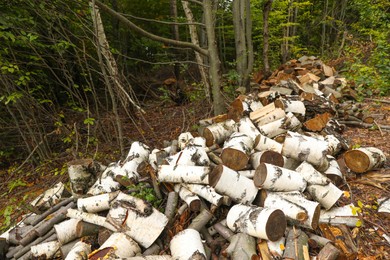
(214, 72)
(195, 40)
(249, 42)
(323, 34)
(266, 11)
(175, 34)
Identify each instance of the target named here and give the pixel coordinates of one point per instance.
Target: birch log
(274, 178)
(276, 248)
(236, 151)
(311, 175)
(263, 143)
(206, 192)
(269, 157)
(106, 182)
(274, 115)
(261, 112)
(122, 245)
(45, 250)
(183, 139)
(297, 247)
(79, 251)
(361, 160)
(96, 203)
(90, 218)
(183, 174)
(246, 126)
(187, 244)
(242, 246)
(259, 222)
(326, 195)
(290, 163)
(67, 230)
(293, 106)
(217, 133)
(50, 197)
(137, 218)
(191, 199)
(280, 126)
(296, 207)
(191, 155)
(82, 175)
(334, 172)
(384, 205)
(305, 148)
(229, 182)
(340, 215)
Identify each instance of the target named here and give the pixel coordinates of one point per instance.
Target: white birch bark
(79, 251)
(50, 197)
(123, 245)
(274, 178)
(293, 106)
(384, 205)
(219, 132)
(223, 179)
(187, 244)
(326, 195)
(361, 160)
(183, 139)
(106, 182)
(280, 126)
(191, 199)
(305, 148)
(276, 248)
(247, 173)
(290, 163)
(333, 172)
(90, 218)
(270, 117)
(340, 215)
(246, 126)
(265, 223)
(183, 174)
(263, 143)
(206, 192)
(236, 151)
(137, 218)
(67, 230)
(191, 155)
(45, 250)
(82, 175)
(334, 145)
(96, 203)
(269, 157)
(311, 175)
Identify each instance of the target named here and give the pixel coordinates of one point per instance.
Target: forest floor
(165, 121)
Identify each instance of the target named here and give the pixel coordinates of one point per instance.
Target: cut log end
(276, 225)
(357, 161)
(208, 135)
(215, 175)
(272, 157)
(234, 159)
(260, 175)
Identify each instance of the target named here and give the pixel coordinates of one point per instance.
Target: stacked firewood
(262, 180)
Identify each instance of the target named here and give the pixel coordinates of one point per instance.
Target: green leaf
(89, 121)
(358, 223)
(360, 204)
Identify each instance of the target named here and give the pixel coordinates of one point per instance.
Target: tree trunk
(266, 10)
(215, 64)
(175, 35)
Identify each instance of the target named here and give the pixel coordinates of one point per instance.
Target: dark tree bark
(266, 10)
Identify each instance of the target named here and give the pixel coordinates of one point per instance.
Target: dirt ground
(166, 121)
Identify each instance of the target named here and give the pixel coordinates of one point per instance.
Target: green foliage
(15, 183)
(142, 191)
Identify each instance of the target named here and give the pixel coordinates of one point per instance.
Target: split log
(296, 107)
(263, 143)
(317, 123)
(326, 195)
(45, 250)
(206, 192)
(50, 197)
(187, 244)
(222, 179)
(264, 251)
(217, 133)
(79, 251)
(191, 199)
(384, 205)
(242, 246)
(276, 248)
(82, 175)
(96, 203)
(274, 178)
(329, 252)
(183, 174)
(242, 105)
(268, 97)
(122, 246)
(236, 151)
(272, 116)
(340, 215)
(134, 216)
(361, 160)
(269, 157)
(296, 207)
(246, 126)
(261, 112)
(334, 172)
(297, 247)
(280, 126)
(106, 183)
(342, 237)
(259, 222)
(311, 175)
(213, 120)
(305, 148)
(191, 155)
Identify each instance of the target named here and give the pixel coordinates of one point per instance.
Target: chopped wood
(317, 123)
(296, 107)
(269, 157)
(45, 250)
(79, 251)
(296, 245)
(183, 174)
(219, 132)
(326, 195)
(122, 246)
(265, 223)
(201, 220)
(280, 126)
(384, 205)
(311, 175)
(246, 126)
(264, 143)
(346, 215)
(329, 252)
(334, 172)
(187, 244)
(242, 246)
(82, 174)
(236, 151)
(364, 159)
(206, 192)
(96, 203)
(191, 199)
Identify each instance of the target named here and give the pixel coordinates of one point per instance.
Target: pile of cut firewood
(259, 181)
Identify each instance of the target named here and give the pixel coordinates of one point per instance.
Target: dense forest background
(73, 72)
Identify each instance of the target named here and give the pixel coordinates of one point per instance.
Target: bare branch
(196, 2)
(149, 35)
(162, 22)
